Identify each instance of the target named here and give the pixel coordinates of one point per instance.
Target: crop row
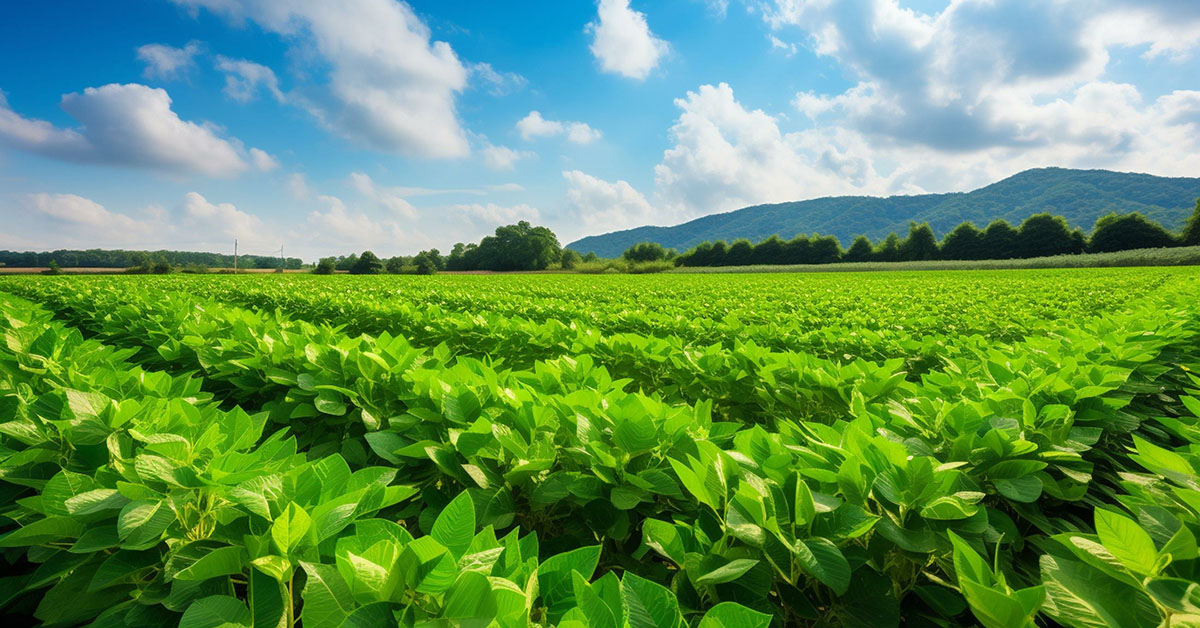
(858, 513)
(873, 316)
(138, 502)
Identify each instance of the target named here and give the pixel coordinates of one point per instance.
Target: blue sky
(335, 127)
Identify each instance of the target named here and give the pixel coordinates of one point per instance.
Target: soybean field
(997, 448)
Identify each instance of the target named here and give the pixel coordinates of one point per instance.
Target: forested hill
(1081, 196)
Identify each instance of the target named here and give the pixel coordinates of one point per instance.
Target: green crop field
(1003, 448)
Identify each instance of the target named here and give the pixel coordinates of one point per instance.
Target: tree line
(1040, 235)
(119, 258)
(513, 247)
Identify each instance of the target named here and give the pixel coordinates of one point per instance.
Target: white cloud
(297, 187)
(534, 126)
(263, 160)
(598, 205)
(495, 215)
(338, 229)
(502, 157)
(391, 199)
(127, 125)
(199, 215)
(622, 41)
(389, 86)
(85, 216)
(498, 84)
(789, 50)
(195, 224)
(167, 62)
(243, 78)
(976, 93)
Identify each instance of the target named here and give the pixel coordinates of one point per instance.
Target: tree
(1129, 231)
(798, 250)
(769, 251)
(1042, 235)
(964, 243)
(859, 251)
(1191, 232)
(367, 264)
(740, 253)
(826, 250)
(999, 240)
(590, 257)
(325, 266)
(53, 270)
(394, 265)
(570, 259)
(425, 265)
(645, 252)
(889, 249)
(920, 245)
(347, 262)
(514, 247)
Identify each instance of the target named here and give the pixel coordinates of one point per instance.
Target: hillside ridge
(1081, 196)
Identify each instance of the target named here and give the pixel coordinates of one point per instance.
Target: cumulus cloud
(389, 85)
(196, 224)
(128, 125)
(83, 215)
(263, 160)
(355, 230)
(533, 126)
(978, 75)
(598, 205)
(220, 219)
(622, 41)
(167, 62)
(391, 199)
(243, 79)
(495, 215)
(942, 102)
(502, 157)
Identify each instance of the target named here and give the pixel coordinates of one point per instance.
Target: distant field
(83, 270)
(824, 448)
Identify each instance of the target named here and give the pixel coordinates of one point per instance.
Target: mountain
(1081, 196)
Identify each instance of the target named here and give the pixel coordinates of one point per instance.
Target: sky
(335, 127)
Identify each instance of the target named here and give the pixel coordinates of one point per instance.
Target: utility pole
(235, 256)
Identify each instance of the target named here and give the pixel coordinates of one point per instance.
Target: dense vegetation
(952, 449)
(1080, 196)
(1040, 235)
(116, 258)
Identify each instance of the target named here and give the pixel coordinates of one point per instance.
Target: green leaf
(290, 530)
(1126, 540)
(1025, 489)
(455, 525)
(649, 605)
(1177, 594)
(555, 581)
(222, 561)
(142, 522)
(727, 573)
(598, 613)
(471, 597)
(216, 611)
(43, 531)
(821, 559)
(731, 615)
(327, 600)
